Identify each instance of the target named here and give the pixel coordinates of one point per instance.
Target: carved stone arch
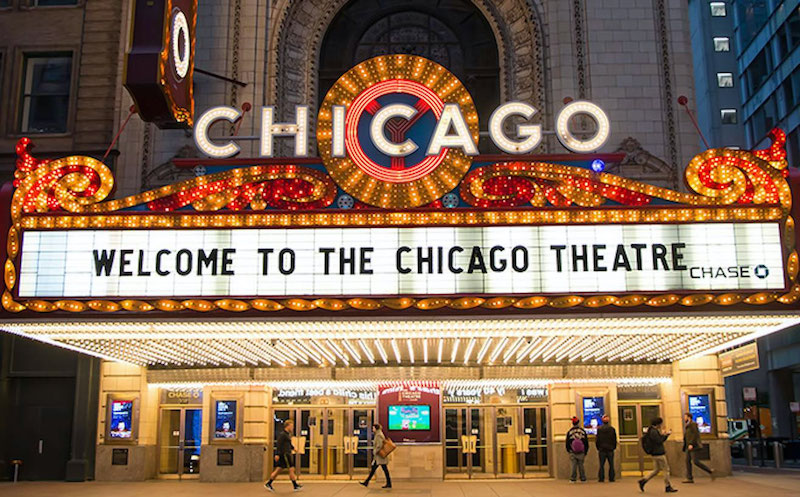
(641, 165)
(299, 27)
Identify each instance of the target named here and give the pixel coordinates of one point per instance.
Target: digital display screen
(120, 426)
(593, 410)
(447, 260)
(700, 410)
(410, 418)
(225, 419)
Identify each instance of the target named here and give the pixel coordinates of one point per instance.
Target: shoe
(298, 488)
(641, 484)
(363, 483)
(670, 490)
(687, 481)
(572, 481)
(269, 488)
(601, 481)
(386, 486)
(713, 475)
(611, 481)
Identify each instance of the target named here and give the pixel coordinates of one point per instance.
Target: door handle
(465, 444)
(41, 445)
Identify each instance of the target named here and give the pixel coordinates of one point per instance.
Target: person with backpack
(284, 457)
(380, 456)
(691, 443)
(606, 443)
(577, 448)
(653, 445)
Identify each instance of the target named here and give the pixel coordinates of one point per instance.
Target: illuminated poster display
(120, 425)
(593, 411)
(224, 419)
(402, 261)
(409, 417)
(700, 409)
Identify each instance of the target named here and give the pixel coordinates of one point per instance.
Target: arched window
(453, 33)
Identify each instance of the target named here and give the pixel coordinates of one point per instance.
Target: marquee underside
(412, 342)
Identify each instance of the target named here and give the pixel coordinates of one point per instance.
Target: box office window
(45, 93)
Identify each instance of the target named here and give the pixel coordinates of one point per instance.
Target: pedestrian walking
(284, 457)
(380, 457)
(653, 445)
(606, 442)
(577, 448)
(691, 443)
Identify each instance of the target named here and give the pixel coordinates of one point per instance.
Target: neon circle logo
(393, 103)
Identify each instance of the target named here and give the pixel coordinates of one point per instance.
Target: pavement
(741, 484)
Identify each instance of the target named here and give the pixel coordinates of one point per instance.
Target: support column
(80, 466)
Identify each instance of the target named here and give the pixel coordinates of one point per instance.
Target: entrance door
(331, 442)
(634, 419)
(469, 442)
(179, 441)
(535, 428)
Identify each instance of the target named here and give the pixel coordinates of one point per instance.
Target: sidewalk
(742, 484)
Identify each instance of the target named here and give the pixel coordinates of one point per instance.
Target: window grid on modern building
(725, 79)
(722, 44)
(718, 9)
(728, 116)
(45, 93)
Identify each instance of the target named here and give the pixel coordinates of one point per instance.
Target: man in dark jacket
(654, 444)
(577, 448)
(606, 443)
(284, 456)
(691, 443)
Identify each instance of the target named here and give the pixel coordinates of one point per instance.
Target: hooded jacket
(606, 438)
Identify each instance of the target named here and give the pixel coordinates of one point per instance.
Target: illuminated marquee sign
(402, 261)
(160, 62)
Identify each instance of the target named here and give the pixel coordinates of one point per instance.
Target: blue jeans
(577, 465)
(606, 455)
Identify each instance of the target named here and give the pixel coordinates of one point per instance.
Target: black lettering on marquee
(440, 259)
(283, 267)
(638, 247)
(476, 261)
(206, 260)
(579, 257)
(520, 268)
(597, 258)
(265, 258)
(451, 259)
(327, 253)
(399, 260)
(366, 260)
(677, 256)
(183, 256)
(621, 259)
(140, 270)
(558, 249)
(493, 262)
(347, 261)
(424, 259)
(103, 260)
(159, 255)
(227, 253)
(124, 262)
(660, 254)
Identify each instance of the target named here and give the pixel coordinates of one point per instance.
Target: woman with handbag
(381, 450)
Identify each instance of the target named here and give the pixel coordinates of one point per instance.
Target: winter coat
(691, 436)
(577, 432)
(606, 438)
(378, 440)
(656, 441)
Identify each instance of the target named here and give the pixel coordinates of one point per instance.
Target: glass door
(534, 427)
(180, 431)
(338, 442)
(482, 461)
(456, 442)
(362, 420)
(310, 445)
(634, 419)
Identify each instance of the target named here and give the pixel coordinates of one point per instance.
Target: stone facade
(632, 58)
(92, 33)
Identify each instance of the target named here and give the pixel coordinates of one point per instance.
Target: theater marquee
(400, 213)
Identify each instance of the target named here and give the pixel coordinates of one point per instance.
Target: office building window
(758, 71)
(728, 116)
(722, 44)
(718, 9)
(46, 89)
(725, 79)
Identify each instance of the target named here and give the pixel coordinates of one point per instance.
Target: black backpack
(647, 442)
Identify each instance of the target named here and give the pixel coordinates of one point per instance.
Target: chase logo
(761, 271)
